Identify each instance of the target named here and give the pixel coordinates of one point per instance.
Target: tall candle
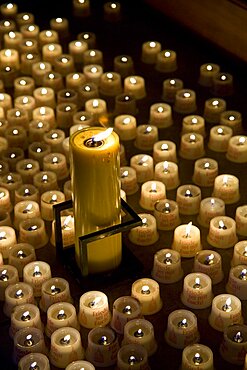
(96, 167)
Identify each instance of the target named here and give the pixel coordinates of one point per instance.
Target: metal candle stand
(129, 266)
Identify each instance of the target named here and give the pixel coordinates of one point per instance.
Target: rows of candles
(46, 95)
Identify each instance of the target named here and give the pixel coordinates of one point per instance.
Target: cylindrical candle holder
(35, 274)
(140, 331)
(16, 295)
(125, 104)
(222, 232)
(45, 181)
(132, 354)
(66, 347)
(146, 136)
(182, 329)
(27, 209)
(160, 115)
(207, 72)
(166, 61)
(225, 311)
(234, 345)
(20, 255)
(191, 146)
(213, 108)
(222, 84)
(128, 180)
(125, 308)
(94, 310)
(166, 213)
(188, 198)
(232, 119)
(164, 150)
(237, 282)
(33, 231)
(151, 192)
(187, 240)
(205, 172)
(241, 222)
(28, 340)
(27, 315)
(197, 356)
(197, 291)
(59, 315)
(147, 292)
(219, 138)
(150, 50)
(170, 87)
(8, 276)
(7, 240)
(102, 347)
(124, 65)
(167, 172)
(56, 162)
(48, 200)
(146, 234)
(193, 123)
(54, 290)
(167, 266)
(80, 364)
(239, 253)
(237, 149)
(185, 101)
(125, 126)
(143, 164)
(209, 262)
(226, 187)
(34, 359)
(135, 85)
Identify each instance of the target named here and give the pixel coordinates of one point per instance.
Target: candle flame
(188, 229)
(228, 302)
(221, 224)
(28, 208)
(153, 186)
(126, 120)
(244, 272)
(36, 269)
(2, 235)
(241, 140)
(165, 165)
(2, 195)
(66, 338)
(215, 103)
(61, 312)
(194, 120)
(26, 314)
(197, 281)
(206, 165)
(102, 135)
(168, 255)
(145, 289)
(209, 67)
(67, 221)
(211, 257)
(164, 146)
(225, 180)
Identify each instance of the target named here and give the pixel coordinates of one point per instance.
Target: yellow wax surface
(95, 180)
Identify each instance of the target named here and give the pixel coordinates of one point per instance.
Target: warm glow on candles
(227, 306)
(188, 229)
(145, 289)
(225, 180)
(66, 222)
(153, 188)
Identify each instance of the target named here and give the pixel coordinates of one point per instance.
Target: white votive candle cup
(146, 234)
(147, 292)
(167, 266)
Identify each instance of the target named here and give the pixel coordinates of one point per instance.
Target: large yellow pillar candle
(95, 178)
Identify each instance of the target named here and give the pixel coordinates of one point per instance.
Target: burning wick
(183, 323)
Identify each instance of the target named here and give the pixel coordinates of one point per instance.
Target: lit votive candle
(167, 266)
(151, 191)
(64, 64)
(28, 340)
(67, 96)
(37, 129)
(166, 61)
(143, 164)
(135, 85)
(150, 50)
(233, 119)
(54, 138)
(16, 295)
(20, 255)
(164, 150)
(170, 87)
(188, 198)
(64, 115)
(128, 180)
(81, 8)
(5, 101)
(81, 119)
(241, 220)
(213, 108)
(146, 234)
(125, 126)
(51, 51)
(7, 240)
(28, 45)
(9, 10)
(197, 356)
(209, 262)
(102, 347)
(160, 115)
(234, 344)
(191, 146)
(59, 315)
(24, 18)
(166, 213)
(239, 253)
(12, 40)
(182, 329)
(185, 101)
(146, 136)
(35, 274)
(112, 11)
(61, 26)
(187, 240)
(197, 291)
(219, 138)
(207, 73)
(16, 136)
(89, 38)
(222, 232)
(93, 56)
(34, 359)
(74, 80)
(88, 90)
(5, 202)
(44, 96)
(9, 57)
(48, 199)
(17, 117)
(147, 292)
(125, 104)
(23, 86)
(66, 346)
(226, 187)
(37, 151)
(226, 310)
(27, 103)
(26, 192)
(45, 113)
(237, 149)
(193, 123)
(56, 162)
(94, 310)
(27, 61)
(68, 231)
(27, 168)
(53, 80)
(97, 107)
(133, 354)
(30, 31)
(27, 315)
(24, 210)
(167, 172)
(76, 50)
(140, 331)
(45, 180)
(110, 84)
(125, 308)
(222, 84)
(124, 65)
(237, 281)
(47, 37)
(8, 276)
(33, 231)
(205, 172)
(54, 290)
(209, 208)
(80, 364)
(11, 181)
